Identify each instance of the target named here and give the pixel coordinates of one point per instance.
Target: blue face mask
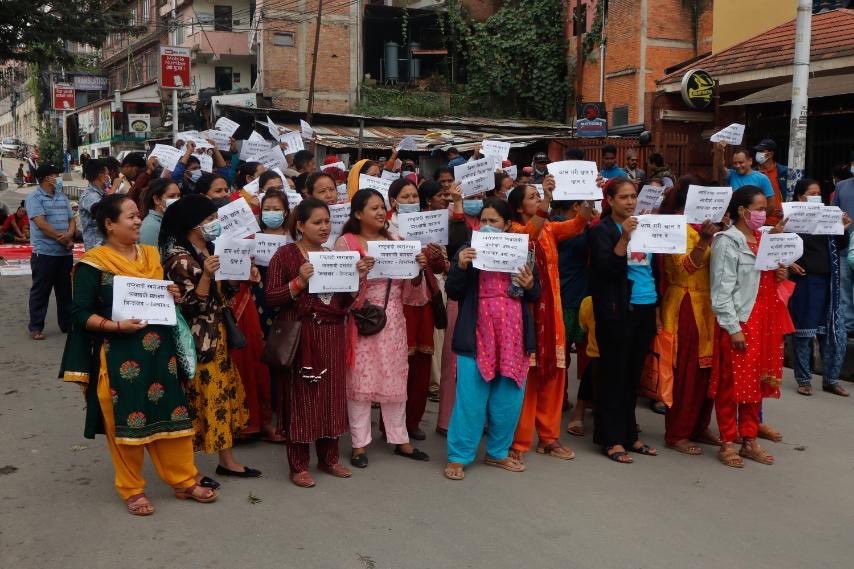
(490, 229)
(195, 175)
(408, 208)
(273, 219)
(472, 207)
(211, 231)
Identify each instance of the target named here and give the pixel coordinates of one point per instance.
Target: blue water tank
(391, 69)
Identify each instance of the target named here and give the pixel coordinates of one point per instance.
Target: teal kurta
(148, 400)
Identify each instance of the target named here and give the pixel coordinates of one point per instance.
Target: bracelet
(101, 324)
(542, 213)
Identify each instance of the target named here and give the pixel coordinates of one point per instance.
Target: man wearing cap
(540, 165)
(777, 174)
(51, 236)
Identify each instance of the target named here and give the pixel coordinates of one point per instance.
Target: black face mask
(221, 202)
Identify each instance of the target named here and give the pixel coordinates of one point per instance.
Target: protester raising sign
(266, 245)
(272, 158)
(497, 148)
(706, 202)
(167, 156)
(394, 259)
(500, 252)
(237, 220)
(731, 135)
(374, 183)
(649, 199)
(292, 141)
(219, 138)
(575, 180)
(660, 234)
(235, 258)
(338, 215)
(249, 148)
(227, 126)
(777, 249)
(143, 299)
(475, 176)
(425, 226)
(334, 271)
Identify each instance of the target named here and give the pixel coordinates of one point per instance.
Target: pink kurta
(381, 362)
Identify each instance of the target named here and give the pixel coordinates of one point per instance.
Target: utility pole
(173, 40)
(800, 98)
(314, 65)
(602, 40)
(579, 55)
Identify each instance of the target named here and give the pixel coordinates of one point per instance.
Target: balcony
(208, 43)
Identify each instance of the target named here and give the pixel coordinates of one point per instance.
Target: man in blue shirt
(52, 228)
(609, 163)
(98, 176)
(743, 174)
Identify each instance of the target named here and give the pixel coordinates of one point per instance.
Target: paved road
(58, 508)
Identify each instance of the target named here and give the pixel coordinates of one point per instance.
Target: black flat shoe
(359, 460)
(414, 455)
(418, 435)
(247, 472)
(208, 482)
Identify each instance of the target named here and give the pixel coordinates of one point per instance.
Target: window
(222, 18)
(620, 116)
(222, 78)
(151, 68)
(285, 39)
(579, 21)
(146, 11)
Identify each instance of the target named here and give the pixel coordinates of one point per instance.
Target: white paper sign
(394, 259)
(407, 143)
(389, 175)
(235, 258)
(255, 136)
(649, 199)
(830, 222)
(425, 226)
(186, 135)
(221, 139)
(500, 252)
(200, 143)
(293, 142)
(305, 130)
(338, 215)
(475, 176)
(167, 156)
(497, 148)
(334, 271)
(249, 148)
(227, 126)
(731, 134)
(237, 220)
(575, 180)
(338, 164)
(343, 194)
(802, 217)
(206, 162)
(294, 199)
(253, 187)
(706, 202)
(143, 299)
(778, 248)
(512, 171)
(373, 183)
(266, 246)
(660, 234)
(272, 158)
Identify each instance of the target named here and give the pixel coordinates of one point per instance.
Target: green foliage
(516, 59)
(398, 101)
(50, 143)
(595, 35)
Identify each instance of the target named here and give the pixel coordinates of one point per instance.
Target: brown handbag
(282, 343)
(370, 319)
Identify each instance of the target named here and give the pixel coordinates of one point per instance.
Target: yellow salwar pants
(172, 457)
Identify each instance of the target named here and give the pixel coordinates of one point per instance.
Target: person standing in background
(777, 174)
(633, 171)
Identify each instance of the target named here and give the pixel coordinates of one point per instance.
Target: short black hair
(193, 160)
(93, 168)
(110, 207)
(609, 149)
(301, 158)
(111, 163)
(444, 170)
(244, 169)
(134, 159)
(656, 159)
(500, 206)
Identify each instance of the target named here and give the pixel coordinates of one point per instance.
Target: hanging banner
(63, 97)
(174, 67)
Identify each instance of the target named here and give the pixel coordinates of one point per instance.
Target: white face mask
(169, 201)
(761, 157)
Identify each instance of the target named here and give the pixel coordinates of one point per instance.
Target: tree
(39, 31)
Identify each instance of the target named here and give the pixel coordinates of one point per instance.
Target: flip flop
(617, 456)
(451, 475)
(507, 464)
(644, 449)
(575, 428)
(685, 447)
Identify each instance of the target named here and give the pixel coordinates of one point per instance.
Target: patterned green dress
(148, 400)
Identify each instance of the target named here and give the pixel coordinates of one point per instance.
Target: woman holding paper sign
(623, 287)
(544, 391)
(129, 369)
(314, 387)
(274, 215)
(815, 304)
(748, 360)
(377, 365)
(215, 393)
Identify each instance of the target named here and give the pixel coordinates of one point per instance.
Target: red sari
(255, 375)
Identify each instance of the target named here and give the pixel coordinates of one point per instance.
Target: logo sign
(174, 67)
(698, 89)
(591, 121)
(90, 83)
(139, 123)
(63, 97)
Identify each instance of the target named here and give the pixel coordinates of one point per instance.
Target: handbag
(234, 337)
(282, 343)
(370, 319)
(437, 303)
(185, 347)
(657, 376)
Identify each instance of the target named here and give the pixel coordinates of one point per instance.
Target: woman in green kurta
(128, 368)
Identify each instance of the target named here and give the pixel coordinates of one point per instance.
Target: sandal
(750, 449)
(508, 464)
(516, 455)
(805, 390)
(729, 456)
(138, 505)
(836, 389)
(575, 428)
(620, 456)
(454, 471)
(685, 447)
(644, 449)
(766, 432)
(189, 493)
(556, 450)
(39, 336)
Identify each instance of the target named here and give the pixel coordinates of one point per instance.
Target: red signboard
(63, 97)
(174, 67)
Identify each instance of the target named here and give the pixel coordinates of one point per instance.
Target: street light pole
(800, 98)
